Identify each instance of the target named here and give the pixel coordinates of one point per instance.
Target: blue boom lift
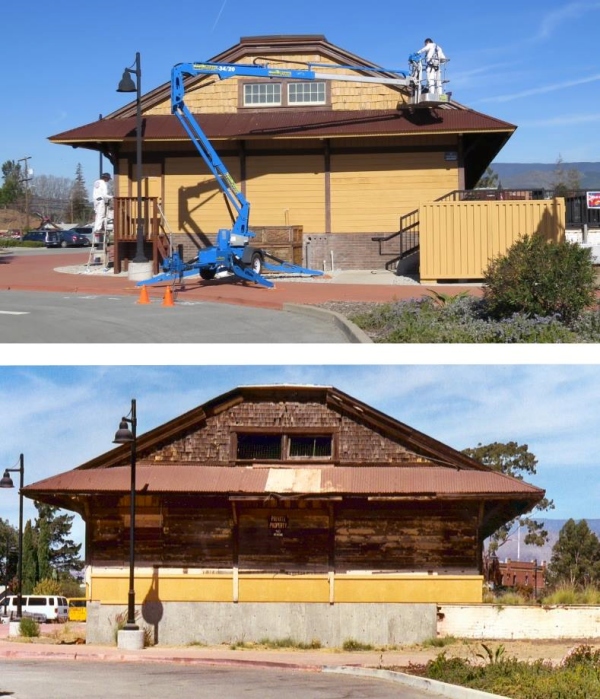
(232, 252)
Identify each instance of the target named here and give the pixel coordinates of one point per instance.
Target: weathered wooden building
(299, 496)
(327, 166)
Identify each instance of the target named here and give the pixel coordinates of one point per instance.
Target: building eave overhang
(245, 126)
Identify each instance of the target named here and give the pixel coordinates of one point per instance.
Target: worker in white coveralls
(101, 197)
(434, 57)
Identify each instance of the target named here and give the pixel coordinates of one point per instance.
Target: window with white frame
(262, 94)
(306, 93)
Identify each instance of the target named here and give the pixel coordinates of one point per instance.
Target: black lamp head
(7, 481)
(127, 84)
(123, 435)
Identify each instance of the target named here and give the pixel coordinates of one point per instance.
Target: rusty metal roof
(292, 124)
(411, 480)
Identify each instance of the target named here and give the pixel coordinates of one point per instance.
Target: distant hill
(542, 175)
(515, 552)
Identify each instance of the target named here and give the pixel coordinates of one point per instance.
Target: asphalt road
(75, 679)
(35, 317)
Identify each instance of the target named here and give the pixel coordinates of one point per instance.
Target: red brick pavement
(31, 272)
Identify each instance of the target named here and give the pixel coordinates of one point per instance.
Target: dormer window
(262, 94)
(290, 94)
(306, 93)
(260, 446)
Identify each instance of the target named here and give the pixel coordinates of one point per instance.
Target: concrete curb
(351, 331)
(451, 691)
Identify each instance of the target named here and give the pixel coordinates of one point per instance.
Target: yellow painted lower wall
(111, 585)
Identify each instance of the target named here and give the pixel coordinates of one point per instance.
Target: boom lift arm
(232, 251)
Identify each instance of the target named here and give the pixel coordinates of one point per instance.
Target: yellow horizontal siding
(371, 192)
(286, 191)
(193, 199)
(459, 239)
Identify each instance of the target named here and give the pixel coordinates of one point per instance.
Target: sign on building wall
(593, 200)
(277, 524)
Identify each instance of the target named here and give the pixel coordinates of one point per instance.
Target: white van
(40, 607)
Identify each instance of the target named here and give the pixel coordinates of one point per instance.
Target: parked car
(39, 236)
(40, 607)
(64, 239)
(88, 231)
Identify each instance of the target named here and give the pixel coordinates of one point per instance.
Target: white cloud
(556, 18)
(543, 89)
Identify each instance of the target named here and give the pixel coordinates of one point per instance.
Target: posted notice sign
(593, 200)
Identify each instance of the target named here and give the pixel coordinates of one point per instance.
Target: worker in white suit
(434, 57)
(101, 197)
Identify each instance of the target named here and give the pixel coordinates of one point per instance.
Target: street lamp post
(26, 179)
(128, 85)
(7, 482)
(125, 435)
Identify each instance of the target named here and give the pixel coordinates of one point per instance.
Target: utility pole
(26, 179)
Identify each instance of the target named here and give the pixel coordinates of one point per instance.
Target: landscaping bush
(29, 628)
(461, 320)
(540, 278)
(576, 678)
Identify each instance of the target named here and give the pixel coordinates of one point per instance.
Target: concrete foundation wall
(518, 622)
(178, 623)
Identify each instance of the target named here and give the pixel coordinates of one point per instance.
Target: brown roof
(292, 124)
(412, 479)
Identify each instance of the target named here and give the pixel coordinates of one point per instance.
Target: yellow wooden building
(327, 170)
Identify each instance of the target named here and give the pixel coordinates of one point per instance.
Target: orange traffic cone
(144, 298)
(168, 298)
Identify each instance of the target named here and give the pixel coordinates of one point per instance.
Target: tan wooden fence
(459, 239)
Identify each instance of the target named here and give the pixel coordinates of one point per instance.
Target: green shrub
(29, 628)
(540, 278)
(48, 587)
(462, 320)
(576, 678)
(351, 644)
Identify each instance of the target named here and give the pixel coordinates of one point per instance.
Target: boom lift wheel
(207, 273)
(256, 262)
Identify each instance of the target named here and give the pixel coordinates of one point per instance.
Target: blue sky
(60, 417)
(530, 63)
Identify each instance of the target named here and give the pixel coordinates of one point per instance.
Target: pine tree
(12, 190)
(30, 572)
(62, 552)
(43, 550)
(9, 554)
(81, 209)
